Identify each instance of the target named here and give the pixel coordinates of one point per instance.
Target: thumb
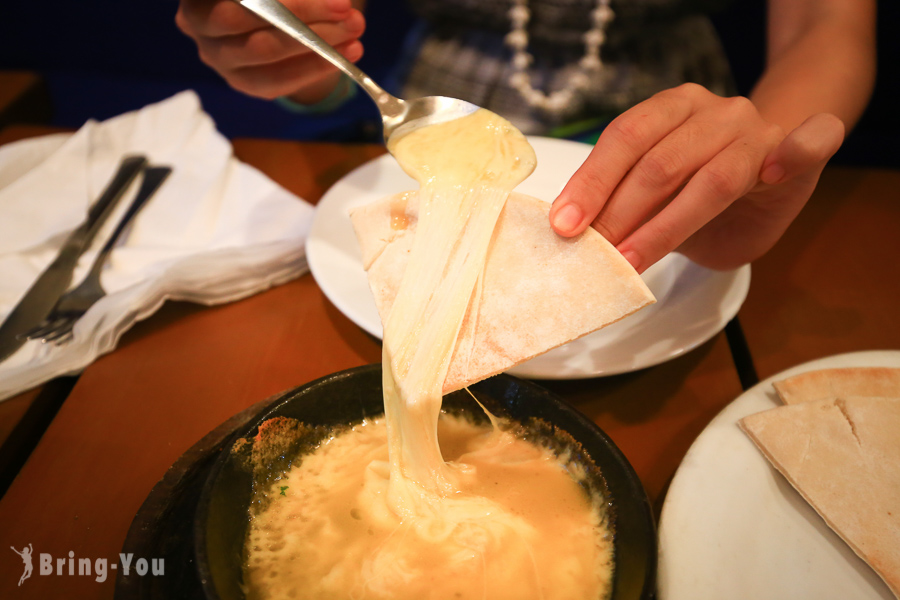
(567, 217)
(805, 149)
(581, 199)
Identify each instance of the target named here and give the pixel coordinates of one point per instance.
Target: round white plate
(733, 527)
(693, 303)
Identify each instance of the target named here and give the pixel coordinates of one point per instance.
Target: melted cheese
(381, 512)
(530, 533)
(466, 169)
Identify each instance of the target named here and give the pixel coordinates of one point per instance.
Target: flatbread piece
(843, 457)
(840, 382)
(538, 291)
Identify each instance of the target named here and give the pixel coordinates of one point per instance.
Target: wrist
(343, 91)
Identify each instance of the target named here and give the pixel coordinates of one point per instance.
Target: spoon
(399, 117)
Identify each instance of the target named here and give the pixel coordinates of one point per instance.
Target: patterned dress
(651, 45)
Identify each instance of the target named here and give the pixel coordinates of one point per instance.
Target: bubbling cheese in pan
(384, 511)
(521, 528)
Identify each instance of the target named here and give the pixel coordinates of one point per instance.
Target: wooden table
(180, 373)
(24, 98)
(832, 284)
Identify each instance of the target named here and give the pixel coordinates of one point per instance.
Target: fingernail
(567, 218)
(633, 259)
(774, 173)
(355, 21)
(354, 51)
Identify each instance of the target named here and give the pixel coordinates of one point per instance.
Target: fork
(72, 305)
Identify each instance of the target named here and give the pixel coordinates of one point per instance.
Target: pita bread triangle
(840, 382)
(843, 456)
(538, 290)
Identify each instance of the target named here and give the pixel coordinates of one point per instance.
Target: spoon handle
(276, 14)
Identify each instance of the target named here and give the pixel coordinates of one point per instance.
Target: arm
(720, 179)
(820, 59)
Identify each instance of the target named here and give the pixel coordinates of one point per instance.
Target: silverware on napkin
(40, 298)
(72, 305)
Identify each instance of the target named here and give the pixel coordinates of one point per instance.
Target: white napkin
(216, 231)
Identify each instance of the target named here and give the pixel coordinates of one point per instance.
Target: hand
(255, 58)
(691, 171)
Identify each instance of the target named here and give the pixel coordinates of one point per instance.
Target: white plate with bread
(693, 303)
(739, 520)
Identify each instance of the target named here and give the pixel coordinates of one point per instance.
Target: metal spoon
(399, 117)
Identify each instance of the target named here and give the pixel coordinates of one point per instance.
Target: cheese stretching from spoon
(385, 511)
(466, 169)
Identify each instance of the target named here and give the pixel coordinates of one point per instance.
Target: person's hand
(691, 171)
(255, 58)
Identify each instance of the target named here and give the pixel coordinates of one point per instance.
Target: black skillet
(221, 520)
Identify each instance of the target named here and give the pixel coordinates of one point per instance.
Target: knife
(40, 298)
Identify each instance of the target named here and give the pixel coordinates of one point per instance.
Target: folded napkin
(216, 231)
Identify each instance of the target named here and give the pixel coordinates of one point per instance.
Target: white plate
(733, 527)
(693, 303)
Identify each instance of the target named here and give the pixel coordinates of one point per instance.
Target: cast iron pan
(221, 521)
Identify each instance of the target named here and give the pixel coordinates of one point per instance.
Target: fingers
(219, 18)
(215, 18)
(261, 61)
(805, 150)
(738, 205)
(693, 171)
(665, 168)
(725, 178)
(285, 77)
(620, 146)
(263, 46)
